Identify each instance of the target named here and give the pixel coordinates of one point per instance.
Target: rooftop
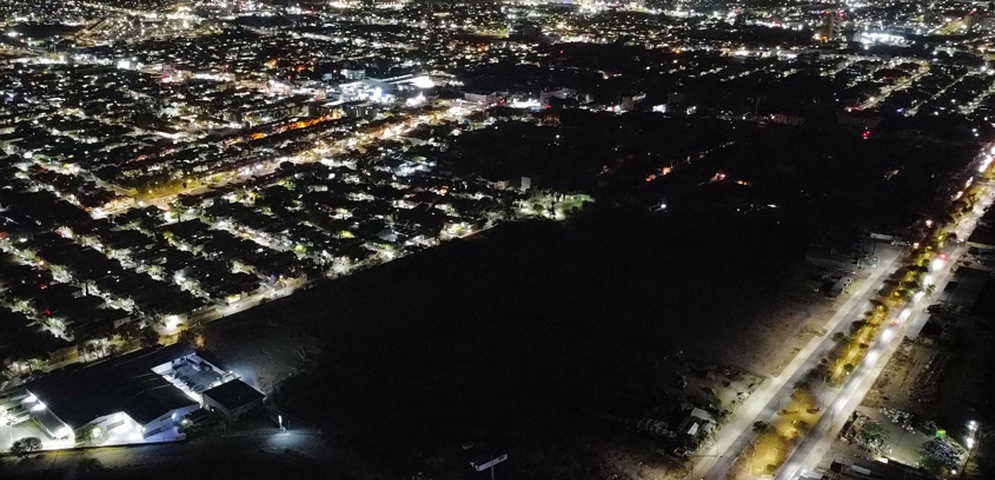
(966, 287)
(234, 394)
(123, 384)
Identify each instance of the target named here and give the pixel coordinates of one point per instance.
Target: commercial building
(233, 399)
(120, 399)
(133, 397)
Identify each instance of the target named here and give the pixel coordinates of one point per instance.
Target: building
(866, 469)
(831, 29)
(119, 400)
(354, 73)
(983, 237)
(966, 287)
(133, 397)
(841, 256)
(837, 286)
(482, 98)
(233, 400)
(697, 423)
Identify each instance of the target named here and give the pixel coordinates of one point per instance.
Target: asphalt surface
(208, 449)
(737, 433)
(816, 444)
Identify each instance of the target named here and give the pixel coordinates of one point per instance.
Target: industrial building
(233, 399)
(131, 398)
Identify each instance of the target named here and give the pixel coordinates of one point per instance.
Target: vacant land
(549, 341)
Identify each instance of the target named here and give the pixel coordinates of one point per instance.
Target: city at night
(497, 239)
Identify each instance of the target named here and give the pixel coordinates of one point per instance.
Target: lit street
(735, 435)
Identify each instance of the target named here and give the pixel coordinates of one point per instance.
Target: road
(736, 435)
(887, 90)
(208, 449)
(767, 399)
(816, 444)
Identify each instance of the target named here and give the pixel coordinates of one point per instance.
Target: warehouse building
(117, 400)
(233, 399)
(137, 397)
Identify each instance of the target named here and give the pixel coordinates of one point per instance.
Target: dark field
(516, 337)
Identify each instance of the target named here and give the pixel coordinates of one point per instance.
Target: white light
(31, 398)
(984, 164)
(38, 407)
(936, 264)
(423, 82)
(530, 103)
(414, 102)
(172, 322)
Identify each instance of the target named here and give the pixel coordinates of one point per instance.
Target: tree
(90, 468)
(760, 427)
(193, 336)
(25, 446)
(148, 338)
(839, 337)
(848, 368)
(857, 325)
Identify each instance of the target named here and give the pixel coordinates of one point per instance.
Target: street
(231, 447)
(814, 446)
(736, 433)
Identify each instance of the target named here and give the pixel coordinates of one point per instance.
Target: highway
(767, 399)
(737, 434)
(816, 444)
